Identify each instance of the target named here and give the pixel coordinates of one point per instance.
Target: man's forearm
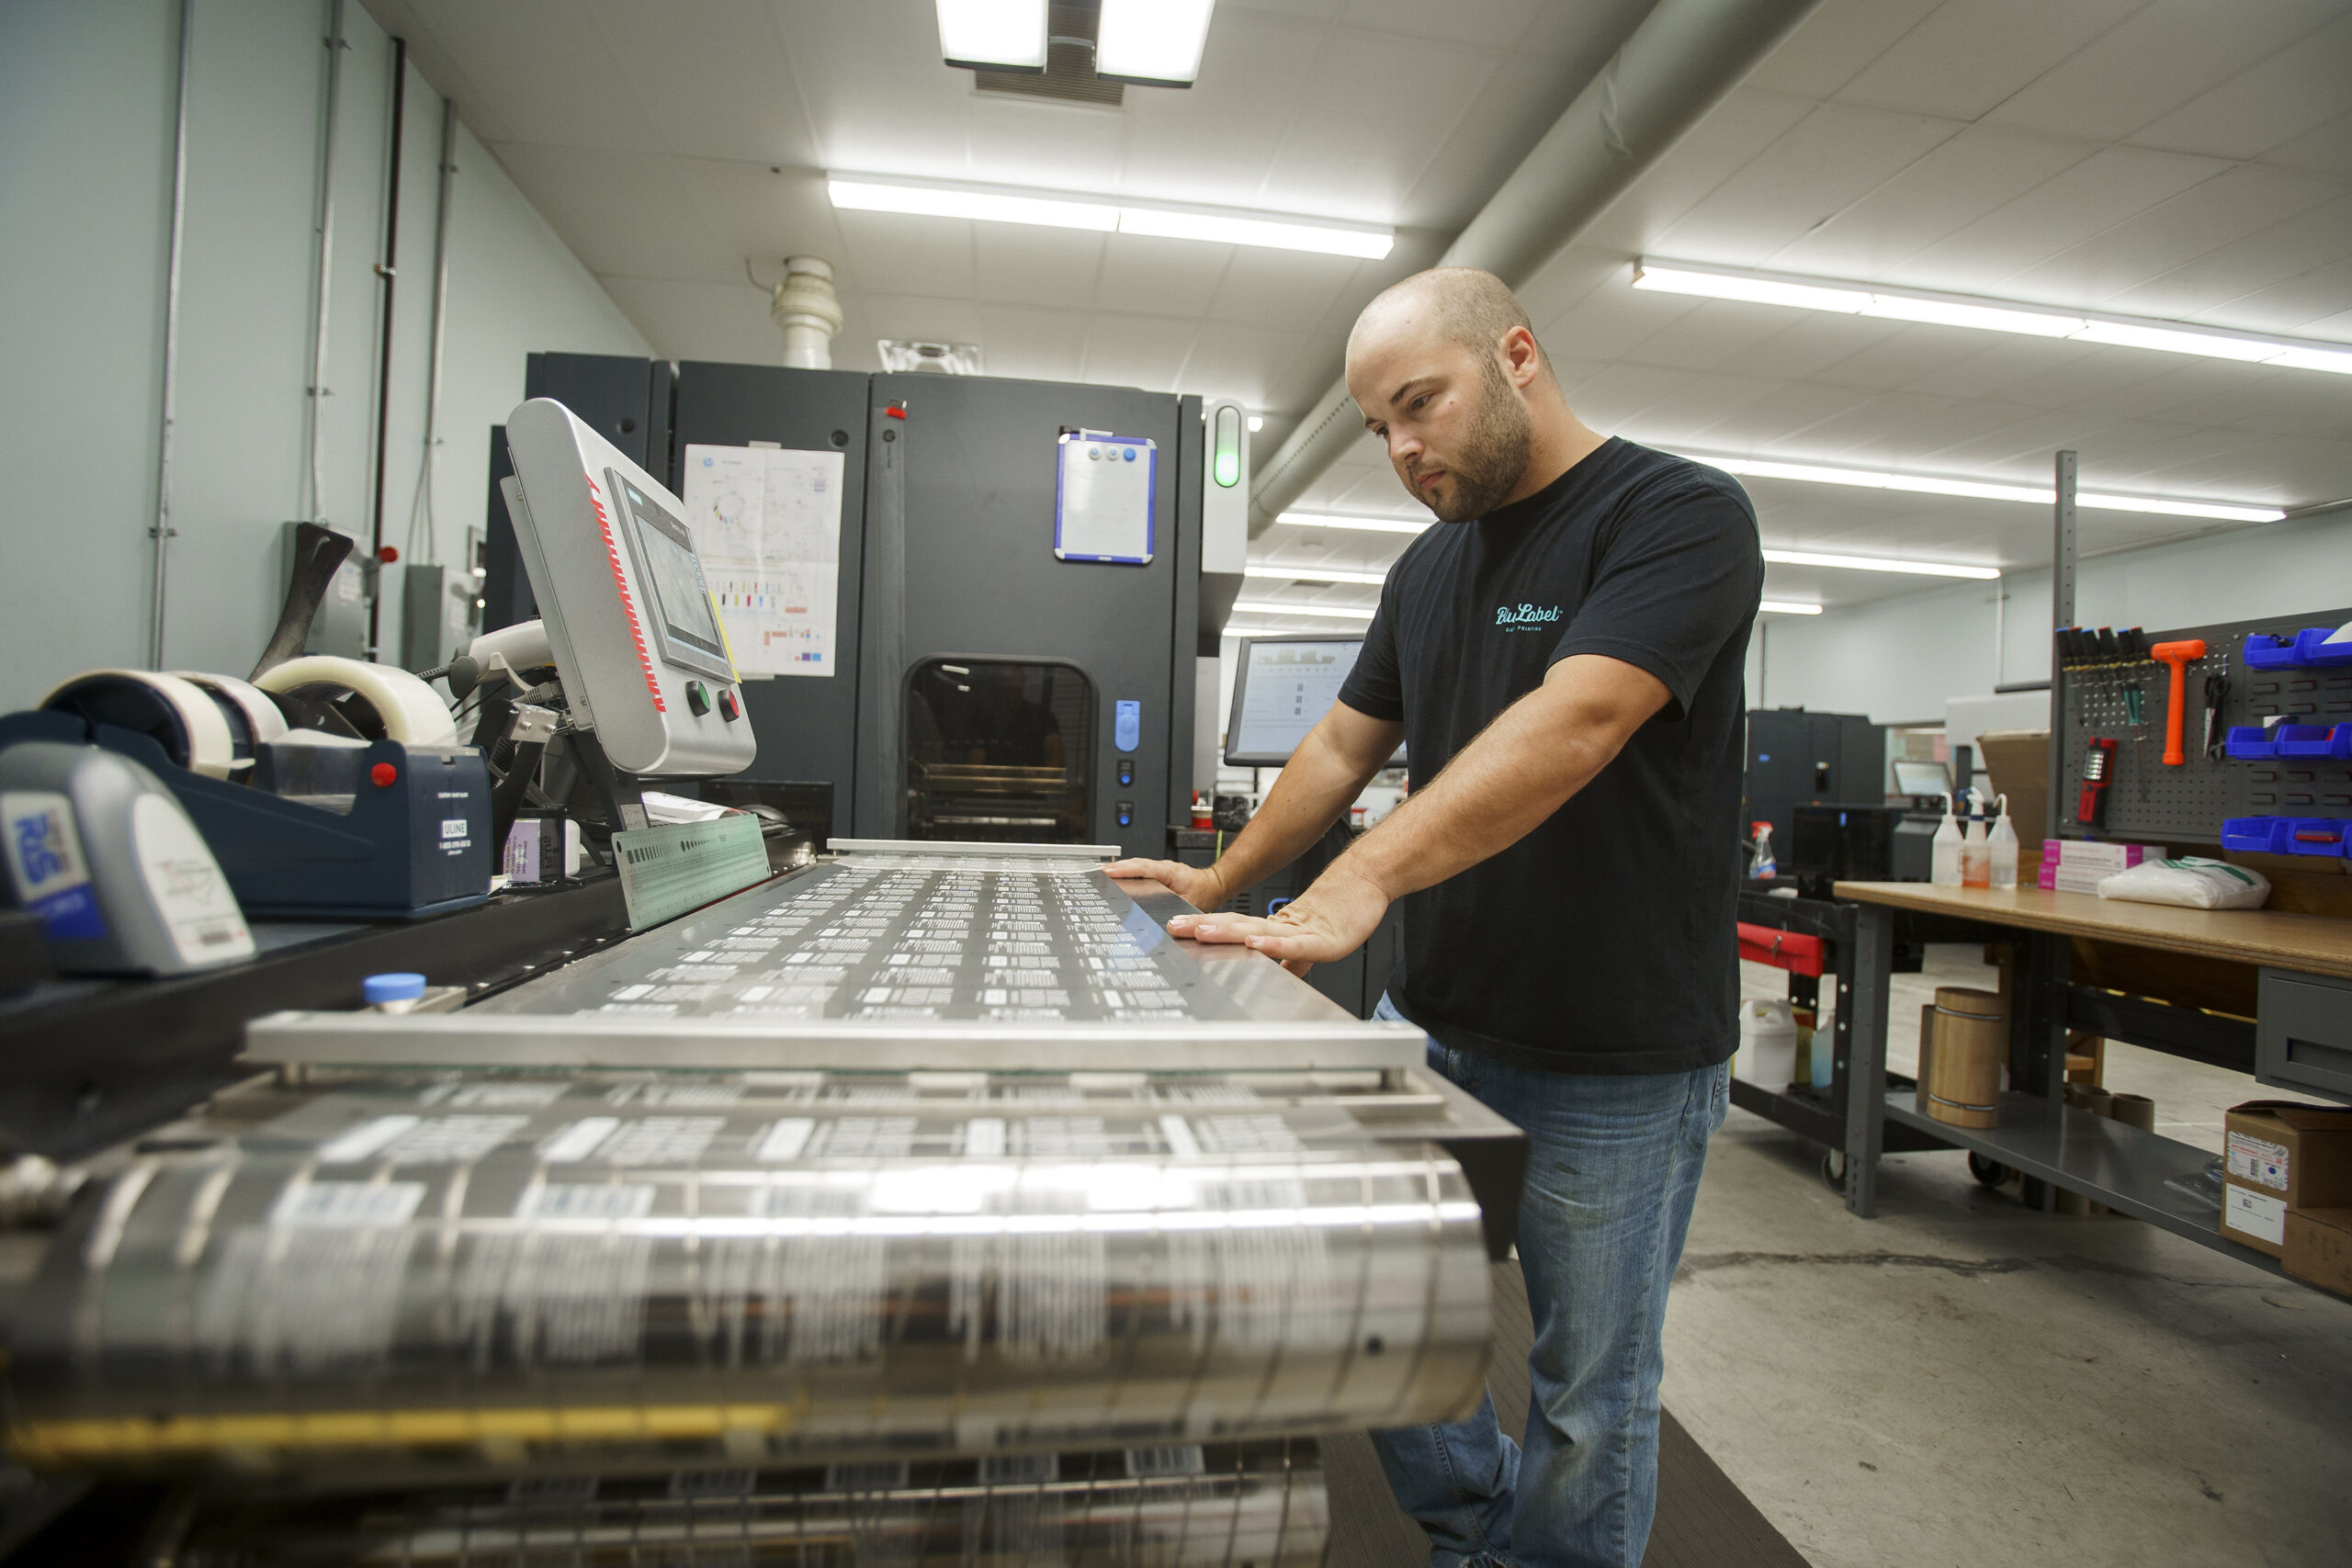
(1316, 786)
(1527, 764)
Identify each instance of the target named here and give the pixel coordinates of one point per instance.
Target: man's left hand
(1323, 924)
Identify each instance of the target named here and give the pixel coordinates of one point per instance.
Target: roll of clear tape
(181, 716)
(409, 709)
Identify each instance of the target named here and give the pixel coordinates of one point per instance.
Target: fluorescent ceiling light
(1273, 233)
(1272, 573)
(1786, 607)
(1361, 524)
(1880, 563)
(1256, 423)
(1918, 484)
(1989, 315)
(993, 32)
(941, 201)
(1152, 40)
(1334, 612)
(880, 193)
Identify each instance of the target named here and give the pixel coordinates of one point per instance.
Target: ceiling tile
(1246, 363)
(583, 191)
(1973, 174)
(870, 317)
(1969, 55)
(2300, 306)
(1136, 351)
(1017, 263)
(1835, 43)
(1280, 288)
(1366, 119)
(2155, 61)
(1496, 25)
(1161, 277)
(685, 319)
(731, 95)
(2326, 150)
(2208, 288)
(2232, 205)
(1033, 344)
(548, 68)
(764, 214)
(1731, 137)
(2294, 91)
(890, 252)
(1717, 333)
(1835, 155)
(2112, 186)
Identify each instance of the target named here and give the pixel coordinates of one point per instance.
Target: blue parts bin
(2308, 650)
(2250, 743)
(2287, 835)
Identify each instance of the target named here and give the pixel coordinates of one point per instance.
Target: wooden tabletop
(2310, 944)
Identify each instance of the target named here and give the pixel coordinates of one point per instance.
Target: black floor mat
(1704, 1521)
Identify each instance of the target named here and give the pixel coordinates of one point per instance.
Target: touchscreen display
(677, 587)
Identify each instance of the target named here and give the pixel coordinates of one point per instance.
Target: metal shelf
(2145, 1175)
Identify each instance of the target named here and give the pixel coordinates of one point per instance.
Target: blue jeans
(1612, 1169)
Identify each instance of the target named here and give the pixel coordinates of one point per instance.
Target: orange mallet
(2177, 655)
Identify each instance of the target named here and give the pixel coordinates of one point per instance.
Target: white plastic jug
(1767, 1044)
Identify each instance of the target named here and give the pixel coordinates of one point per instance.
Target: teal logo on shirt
(1527, 616)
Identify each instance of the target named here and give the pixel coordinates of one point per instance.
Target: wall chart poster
(767, 522)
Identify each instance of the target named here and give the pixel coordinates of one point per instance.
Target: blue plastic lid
(395, 988)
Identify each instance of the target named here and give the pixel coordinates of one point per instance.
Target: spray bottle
(2005, 849)
(1944, 852)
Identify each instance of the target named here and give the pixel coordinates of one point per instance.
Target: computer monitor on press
(1281, 689)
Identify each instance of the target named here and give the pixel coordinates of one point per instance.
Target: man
(1565, 656)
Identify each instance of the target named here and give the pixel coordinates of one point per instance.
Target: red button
(729, 708)
(384, 775)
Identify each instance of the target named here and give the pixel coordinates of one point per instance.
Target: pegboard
(2184, 807)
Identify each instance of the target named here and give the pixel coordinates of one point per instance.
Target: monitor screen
(1921, 778)
(668, 552)
(1283, 688)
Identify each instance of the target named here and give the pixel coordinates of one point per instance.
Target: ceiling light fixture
(1978, 489)
(1360, 524)
(882, 192)
(1786, 607)
(1274, 572)
(996, 34)
(1334, 612)
(1157, 42)
(1989, 315)
(1882, 563)
(1256, 423)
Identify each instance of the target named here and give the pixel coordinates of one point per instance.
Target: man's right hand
(1200, 886)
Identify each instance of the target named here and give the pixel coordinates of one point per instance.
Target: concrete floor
(1965, 1382)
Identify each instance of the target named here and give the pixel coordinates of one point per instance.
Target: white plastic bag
(2191, 882)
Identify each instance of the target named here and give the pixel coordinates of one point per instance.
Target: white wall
(1897, 660)
(86, 101)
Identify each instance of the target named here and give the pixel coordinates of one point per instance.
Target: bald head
(1453, 383)
(1462, 305)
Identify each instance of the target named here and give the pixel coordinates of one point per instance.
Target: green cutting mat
(670, 869)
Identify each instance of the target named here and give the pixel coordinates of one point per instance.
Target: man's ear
(1522, 360)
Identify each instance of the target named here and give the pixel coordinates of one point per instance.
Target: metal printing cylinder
(511, 1307)
(1182, 1506)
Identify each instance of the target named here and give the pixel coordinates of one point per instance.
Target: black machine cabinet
(807, 726)
(1797, 757)
(948, 560)
(1856, 842)
(962, 570)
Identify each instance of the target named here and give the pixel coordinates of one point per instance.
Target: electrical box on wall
(436, 615)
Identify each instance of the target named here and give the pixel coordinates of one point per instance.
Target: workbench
(2300, 1039)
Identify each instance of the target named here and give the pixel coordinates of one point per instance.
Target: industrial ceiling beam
(1682, 60)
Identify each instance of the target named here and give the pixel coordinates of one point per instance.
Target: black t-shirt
(1605, 941)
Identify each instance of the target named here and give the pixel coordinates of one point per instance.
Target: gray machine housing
(627, 672)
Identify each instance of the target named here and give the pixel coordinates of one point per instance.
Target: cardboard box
(2282, 1155)
(2019, 762)
(2078, 866)
(2319, 1247)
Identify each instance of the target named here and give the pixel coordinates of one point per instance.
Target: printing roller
(1182, 1505)
(488, 1278)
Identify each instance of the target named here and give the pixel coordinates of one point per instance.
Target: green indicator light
(1227, 467)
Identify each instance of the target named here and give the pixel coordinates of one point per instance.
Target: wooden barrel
(1959, 1062)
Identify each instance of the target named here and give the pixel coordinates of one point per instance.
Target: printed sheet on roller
(898, 938)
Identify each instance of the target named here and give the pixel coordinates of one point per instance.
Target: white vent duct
(804, 306)
(1676, 65)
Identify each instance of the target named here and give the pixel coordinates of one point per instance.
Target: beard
(1492, 458)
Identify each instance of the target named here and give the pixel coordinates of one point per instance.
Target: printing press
(928, 1203)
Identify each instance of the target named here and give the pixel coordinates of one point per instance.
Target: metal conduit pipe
(163, 531)
(1682, 60)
